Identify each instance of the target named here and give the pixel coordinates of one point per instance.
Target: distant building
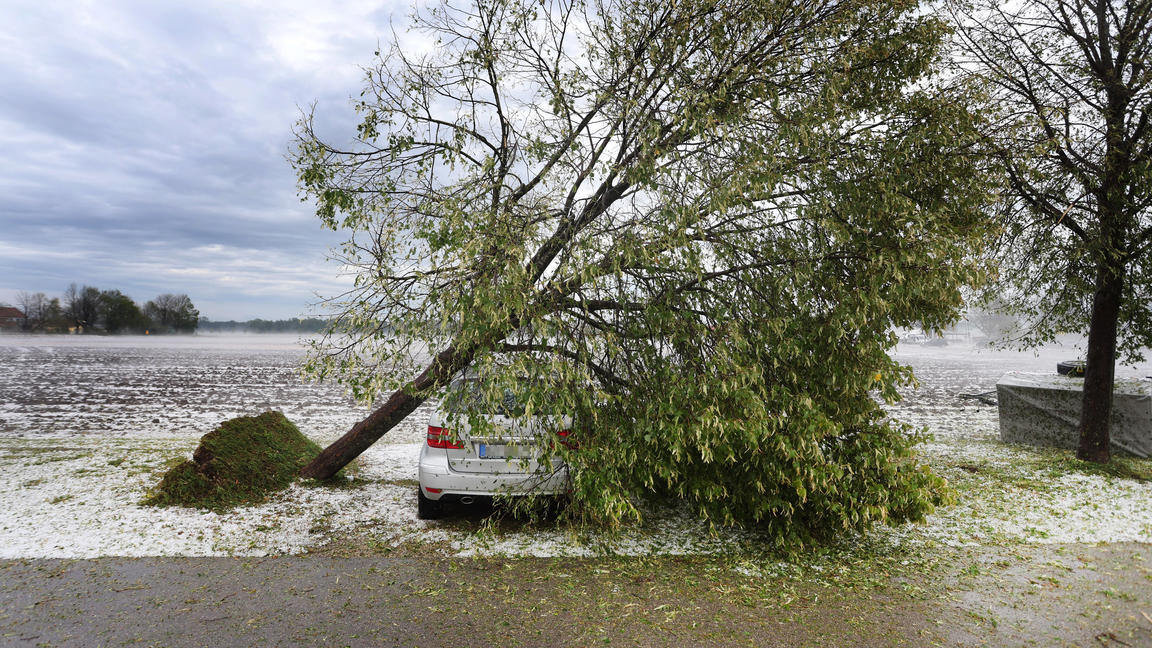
(11, 319)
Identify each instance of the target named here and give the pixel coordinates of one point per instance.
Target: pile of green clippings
(240, 462)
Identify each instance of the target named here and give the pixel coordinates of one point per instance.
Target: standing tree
(173, 313)
(82, 305)
(54, 318)
(119, 313)
(1069, 85)
(71, 303)
(35, 306)
(692, 225)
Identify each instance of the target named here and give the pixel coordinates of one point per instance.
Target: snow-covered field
(87, 425)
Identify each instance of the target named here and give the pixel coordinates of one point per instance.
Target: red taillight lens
(438, 437)
(564, 439)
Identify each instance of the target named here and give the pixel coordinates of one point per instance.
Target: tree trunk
(398, 406)
(1096, 411)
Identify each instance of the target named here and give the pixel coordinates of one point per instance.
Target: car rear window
(468, 396)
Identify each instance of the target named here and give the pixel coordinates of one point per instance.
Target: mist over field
(181, 386)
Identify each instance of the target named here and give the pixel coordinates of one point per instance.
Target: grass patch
(1064, 462)
(1034, 468)
(240, 462)
(1048, 462)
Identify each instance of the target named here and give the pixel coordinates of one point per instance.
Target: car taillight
(564, 440)
(438, 437)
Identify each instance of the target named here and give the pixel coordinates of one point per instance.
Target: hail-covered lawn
(87, 425)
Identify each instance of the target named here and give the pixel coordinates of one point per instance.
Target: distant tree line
(294, 325)
(88, 309)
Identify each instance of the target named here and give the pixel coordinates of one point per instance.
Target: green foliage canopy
(118, 313)
(691, 225)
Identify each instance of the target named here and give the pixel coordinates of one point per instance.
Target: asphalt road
(1073, 595)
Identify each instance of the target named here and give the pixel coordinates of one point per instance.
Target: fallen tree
(696, 223)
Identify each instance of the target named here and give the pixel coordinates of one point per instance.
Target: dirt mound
(240, 462)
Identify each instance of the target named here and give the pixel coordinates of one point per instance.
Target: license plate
(497, 451)
(486, 451)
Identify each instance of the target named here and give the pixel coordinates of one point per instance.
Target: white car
(502, 459)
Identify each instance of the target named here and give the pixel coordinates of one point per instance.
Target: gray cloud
(144, 146)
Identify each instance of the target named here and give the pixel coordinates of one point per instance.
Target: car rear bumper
(435, 472)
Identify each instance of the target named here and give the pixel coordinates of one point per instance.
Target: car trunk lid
(501, 445)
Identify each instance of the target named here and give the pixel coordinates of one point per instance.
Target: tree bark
(1096, 410)
(1100, 372)
(398, 406)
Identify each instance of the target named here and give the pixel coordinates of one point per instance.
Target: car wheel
(1071, 368)
(427, 509)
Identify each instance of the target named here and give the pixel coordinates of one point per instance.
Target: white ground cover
(87, 425)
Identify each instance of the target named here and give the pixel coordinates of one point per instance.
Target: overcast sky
(144, 145)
